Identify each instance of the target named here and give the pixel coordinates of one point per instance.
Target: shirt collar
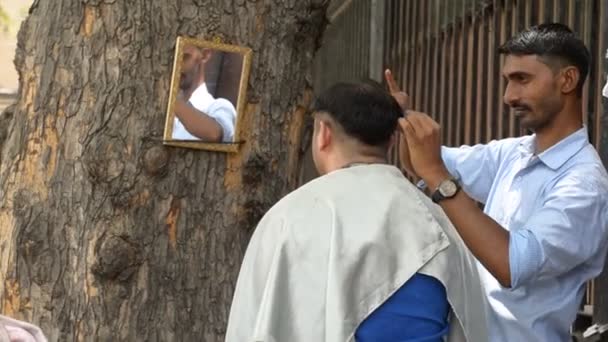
(201, 99)
(200, 90)
(559, 153)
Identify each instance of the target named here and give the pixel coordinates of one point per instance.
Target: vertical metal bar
(406, 18)
(492, 70)
(469, 97)
(427, 80)
(561, 11)
(451, 108)
(461, 34)
(387, 32)
(571, 13)
(501, 86)
(600, 308)
(443, 80)
(598, 76)
(528, 11)
(436, 82)
(480, 85)
(390, 33)
(400, 40)
(415, 57)
(419, 52)
(586, 36)
(542, 11)
(444, 76)
(410, 77)
(376, 43)
(514, 18)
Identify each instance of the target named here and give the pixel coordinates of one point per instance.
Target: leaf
(5, 20)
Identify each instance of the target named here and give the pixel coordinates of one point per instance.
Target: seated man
(358, 254)
(202, 117)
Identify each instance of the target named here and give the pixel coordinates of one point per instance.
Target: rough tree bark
(106, 234)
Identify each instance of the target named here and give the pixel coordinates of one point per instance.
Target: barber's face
(532, 91)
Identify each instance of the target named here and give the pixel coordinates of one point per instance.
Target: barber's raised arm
(198, 123)
(486, 239)
(474, 166)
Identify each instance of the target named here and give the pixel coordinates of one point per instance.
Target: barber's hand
(403, 100)
(423, 137)
(180, 96)
(404, 155)
(400, 96)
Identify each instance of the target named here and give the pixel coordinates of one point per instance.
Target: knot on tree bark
(6, 116)
(255, 170)
(155, 160)
(103, 170)
(117, 259)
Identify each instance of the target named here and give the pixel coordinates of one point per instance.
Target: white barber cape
(12, 330)
(330, 253)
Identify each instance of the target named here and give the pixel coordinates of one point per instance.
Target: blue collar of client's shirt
(558, 154)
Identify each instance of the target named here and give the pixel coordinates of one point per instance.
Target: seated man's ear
(325, 134)
(394, 140)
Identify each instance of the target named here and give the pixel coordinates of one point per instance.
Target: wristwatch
(448, 188)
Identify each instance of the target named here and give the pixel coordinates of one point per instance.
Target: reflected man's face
(190, 66)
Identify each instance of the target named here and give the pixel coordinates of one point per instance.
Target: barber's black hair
(551, 41)
(366, 111)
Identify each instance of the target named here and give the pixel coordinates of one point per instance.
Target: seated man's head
(193, 67)
(353, 123)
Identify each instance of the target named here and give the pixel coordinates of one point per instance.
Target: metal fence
(347, 57)
(444, 55)
(451, 68)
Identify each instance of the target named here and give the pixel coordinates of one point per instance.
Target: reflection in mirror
(207, 95)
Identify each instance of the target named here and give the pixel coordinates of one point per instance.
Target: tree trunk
(106, 234)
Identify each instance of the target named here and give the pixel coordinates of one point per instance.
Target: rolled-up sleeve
(567, 231)
(224, 113)
(475, 166)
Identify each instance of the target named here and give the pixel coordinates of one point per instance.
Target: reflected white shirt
(221, 110)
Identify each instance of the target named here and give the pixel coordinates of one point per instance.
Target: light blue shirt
(555, 206)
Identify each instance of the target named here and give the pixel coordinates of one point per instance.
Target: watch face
(448, 188)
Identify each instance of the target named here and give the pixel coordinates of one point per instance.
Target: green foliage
(5, 21)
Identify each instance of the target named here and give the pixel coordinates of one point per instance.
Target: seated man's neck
(350, 159)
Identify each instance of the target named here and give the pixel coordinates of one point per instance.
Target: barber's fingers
(407, 129)
(393, 87)
(418, 126)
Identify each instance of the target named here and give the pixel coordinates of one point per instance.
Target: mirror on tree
(207, 95)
